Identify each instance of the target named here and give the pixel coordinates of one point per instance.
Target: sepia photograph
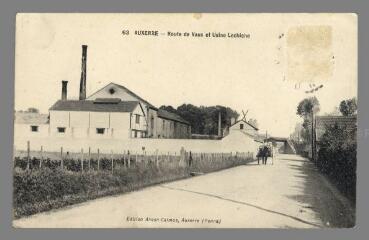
(185, 120)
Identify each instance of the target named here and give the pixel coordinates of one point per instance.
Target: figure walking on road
(260, 154)
(265, 154)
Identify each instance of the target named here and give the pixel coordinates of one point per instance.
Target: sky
(266, 74)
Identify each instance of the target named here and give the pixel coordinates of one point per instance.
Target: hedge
(36, 190)
(337, 158)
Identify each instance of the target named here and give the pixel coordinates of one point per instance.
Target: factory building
(113, 112)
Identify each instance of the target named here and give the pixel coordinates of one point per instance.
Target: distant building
(322, 122)
(111, 112)
(244, 126)
(31, 123)
(122, 115)
(242, 136)
(116, 112)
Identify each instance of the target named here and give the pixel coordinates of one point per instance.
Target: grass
(37, 190)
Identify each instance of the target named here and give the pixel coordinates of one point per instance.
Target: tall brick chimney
(64, 90)
(82, 86)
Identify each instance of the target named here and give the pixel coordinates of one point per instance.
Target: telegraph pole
(313, 90)
(312, 136)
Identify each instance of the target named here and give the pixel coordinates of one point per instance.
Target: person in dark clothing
(265, 154)
(190, 160)
(260, 154)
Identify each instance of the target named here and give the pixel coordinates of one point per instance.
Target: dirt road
(288, 194)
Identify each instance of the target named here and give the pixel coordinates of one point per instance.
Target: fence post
(81, 160)
(42, 157)
(129, 159)
(28, 154)
(61, 161)
(145, 159)
(168, 161)
(156, 158)
(89, 158)
(98, 159)
(112, 162)
(183, 155)
(125, 159)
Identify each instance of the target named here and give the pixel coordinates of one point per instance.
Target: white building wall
(106, 145)
(152, 121)
(239, 141)
(83, 125)
(79, 124)
(79, 119)
(24, 131)
(138, 130)
(119, 125)
(60, 119)
(246, 128)
(99, 120)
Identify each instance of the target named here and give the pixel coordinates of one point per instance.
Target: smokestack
(64, 90)
(219, 124)
(82, 86)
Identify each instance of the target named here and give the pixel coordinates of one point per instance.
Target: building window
(241, 126)
(137, 118)
(61, 129)
(111, 91)
(100, 130)
(135, 134)
(34, 128)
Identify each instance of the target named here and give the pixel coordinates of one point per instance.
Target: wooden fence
(92, 159)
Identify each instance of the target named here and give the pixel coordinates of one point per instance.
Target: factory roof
(31, 118)
(100, 105)
(171, 116)
(128, 91)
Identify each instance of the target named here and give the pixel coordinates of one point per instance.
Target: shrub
(337, 158)
(37, 190)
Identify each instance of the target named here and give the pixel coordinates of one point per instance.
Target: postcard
(185, 120)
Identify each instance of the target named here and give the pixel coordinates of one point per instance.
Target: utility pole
(312, 136)
(313, 90)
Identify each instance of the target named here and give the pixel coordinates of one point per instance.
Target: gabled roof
(91, 106)
(130, 92)
(242, 120)
(30, 118)
(107, 100)
(171, 116)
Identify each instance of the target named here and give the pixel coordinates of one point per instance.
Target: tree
(348, 107)
(168, 108)
(305, 109)
(307, 106)
(204, 119)
(32, 110)
(337, 157)
(254, 122)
